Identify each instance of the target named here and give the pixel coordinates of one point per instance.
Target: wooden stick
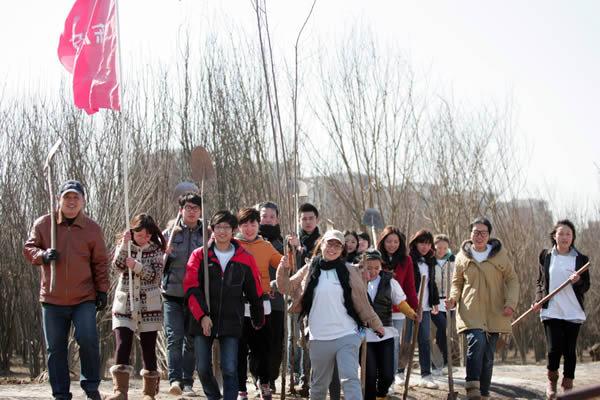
(291, 253)
(449, 330)
(550, 295)
(170, 241)
(415, 334)
(363, 351)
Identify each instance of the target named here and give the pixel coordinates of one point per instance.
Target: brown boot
(473, 392)
(151, 380)
(552, 381)
(120, 374)
(566, 384)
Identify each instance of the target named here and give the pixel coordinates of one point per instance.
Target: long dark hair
(564, 222)
(145, 221)
(422, 236)
(399, 256)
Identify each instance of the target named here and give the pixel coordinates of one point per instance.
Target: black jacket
(434, 297)
(228, 292)
(543, 280)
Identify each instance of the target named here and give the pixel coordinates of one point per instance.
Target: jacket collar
(466, 248)
(79, 219)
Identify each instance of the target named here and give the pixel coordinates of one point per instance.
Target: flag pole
(124, 160)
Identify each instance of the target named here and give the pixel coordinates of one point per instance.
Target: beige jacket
(481, 291)
(296, 285)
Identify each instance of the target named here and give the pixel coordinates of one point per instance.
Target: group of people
(342, 289)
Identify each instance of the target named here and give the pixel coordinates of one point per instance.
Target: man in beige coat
(486, 290)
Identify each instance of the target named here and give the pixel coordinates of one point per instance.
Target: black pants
(380, 368)
(276, 349)
(124, 341)
(561, 337)
(258, 342)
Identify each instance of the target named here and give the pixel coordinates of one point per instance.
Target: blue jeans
(397, 323)
(439, 320)
(57, 323)
(229, 353)
(480, 358)
(424, 346)
(180, 347)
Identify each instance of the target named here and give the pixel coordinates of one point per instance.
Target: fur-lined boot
(151, 380)
(120, 374)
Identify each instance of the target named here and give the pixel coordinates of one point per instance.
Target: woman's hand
(508, 311)
(536, 307)
(130, 262)
(435, 310)
(449, 303)
(207, 325)
(380, 332)
(574, 278)
(168, 250)
(126, 236)
(284, 263)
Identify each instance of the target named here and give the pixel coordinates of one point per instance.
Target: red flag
(88, 49)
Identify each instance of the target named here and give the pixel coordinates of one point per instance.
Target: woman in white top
(563, 314)
(333, 297)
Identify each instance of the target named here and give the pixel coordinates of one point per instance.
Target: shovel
(372, 218)
(452, 395)
(48, 169)
(415, 335)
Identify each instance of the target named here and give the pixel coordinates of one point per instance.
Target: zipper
(67, 260)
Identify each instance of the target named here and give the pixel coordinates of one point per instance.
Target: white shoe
(436, 372)
(188, 390)
(399, 378)
(428, 382)
(175, 388)
(391, 390)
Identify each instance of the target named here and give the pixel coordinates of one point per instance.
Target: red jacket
(404, 274)
(227, 291)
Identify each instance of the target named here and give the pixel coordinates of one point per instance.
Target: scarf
(270, 232)
(317, 264)
(308, 241)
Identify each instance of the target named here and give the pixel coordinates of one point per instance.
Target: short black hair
(564, 222)
(190, 197)
(248, 215)
(373, 254)
(365, 236)
(269, 204)
(307, 207)
(482, 221)
(223, 216)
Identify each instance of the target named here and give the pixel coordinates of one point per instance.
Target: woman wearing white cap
(333, 297)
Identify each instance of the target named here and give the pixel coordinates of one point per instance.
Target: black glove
(100, 301)
(49, 255)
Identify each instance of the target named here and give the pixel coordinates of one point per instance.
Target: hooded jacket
(185, 240)
(227, 291)
(482, 290)
(265, 255)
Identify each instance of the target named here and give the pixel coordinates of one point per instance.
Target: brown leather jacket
(82, 264)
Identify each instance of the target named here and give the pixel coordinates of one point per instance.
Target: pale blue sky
(543, 55)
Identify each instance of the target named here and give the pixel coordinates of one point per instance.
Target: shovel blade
(372, 217)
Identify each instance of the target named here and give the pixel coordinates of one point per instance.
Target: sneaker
(428, 382)
(242, 396)
(391, 390)
(436, 372)
(445, 370)
(265, 392)
(399, 378)
(175, 388)
(188, 390)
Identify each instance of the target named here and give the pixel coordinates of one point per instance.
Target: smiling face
(480, 236)
(423, 248)
(350, 243)
(363, 245)
(331, 249)
(223, 233)
(70, 204)
(373, 268)
(391, 243)
(564, 238)
(249, 230)
(141, 237)
(441, 248)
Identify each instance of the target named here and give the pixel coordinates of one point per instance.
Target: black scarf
(308, 241)
(270, 232)
(317, 264)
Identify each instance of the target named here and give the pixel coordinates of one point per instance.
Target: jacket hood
(449, 256)
(467, 245)
(257, 239)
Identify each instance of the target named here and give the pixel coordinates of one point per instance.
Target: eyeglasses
(188, 207)
(334, 245)
(482, 234)
(222, 228)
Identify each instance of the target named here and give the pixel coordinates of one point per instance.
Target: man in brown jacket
(81, 283)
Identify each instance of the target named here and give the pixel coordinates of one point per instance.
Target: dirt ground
(509, 382)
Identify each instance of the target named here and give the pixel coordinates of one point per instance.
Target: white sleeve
(398, 295)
